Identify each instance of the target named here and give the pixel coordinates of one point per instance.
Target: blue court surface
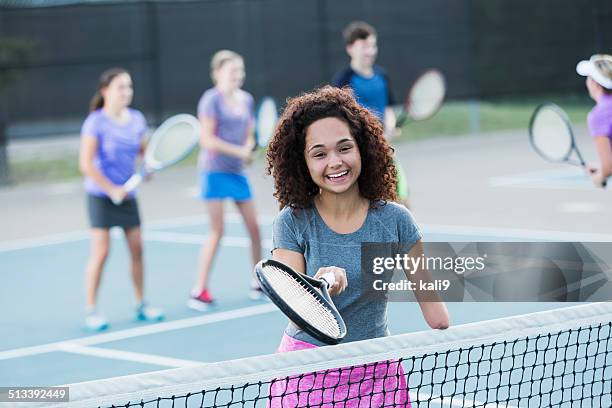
(43, 303)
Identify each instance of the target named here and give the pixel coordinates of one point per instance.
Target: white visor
(587, 68)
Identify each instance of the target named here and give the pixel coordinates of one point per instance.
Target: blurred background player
(598, 70)
(226, 115)
(112, 138)
(371, 85)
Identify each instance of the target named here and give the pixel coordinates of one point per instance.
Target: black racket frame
(319, 291)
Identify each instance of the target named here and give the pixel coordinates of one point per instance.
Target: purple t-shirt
(599, 119)
(118, 146)
(231, 125)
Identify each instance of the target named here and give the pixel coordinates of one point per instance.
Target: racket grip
(330, 278)
(401, 120)
(117, 201)
(130, 186)
(133, 182)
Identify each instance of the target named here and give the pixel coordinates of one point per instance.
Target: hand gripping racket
(302, 299)
(170, 143)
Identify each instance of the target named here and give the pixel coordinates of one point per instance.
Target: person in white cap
(598, 70)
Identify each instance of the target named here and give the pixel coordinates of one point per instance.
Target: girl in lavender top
(598, 71)
(226, 114)
(112, 138)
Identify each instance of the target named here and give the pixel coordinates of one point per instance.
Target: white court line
(554, 179)
(464, 230)
(580, 207)
(560, 173)
(190, 220)
(126, 356)
(198, 239)
(141, 331)
(46, 240)
(74, 236)
(467, 231)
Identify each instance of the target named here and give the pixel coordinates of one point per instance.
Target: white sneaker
(149, 314)
(95, 322)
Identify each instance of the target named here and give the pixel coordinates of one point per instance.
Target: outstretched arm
(433, 308)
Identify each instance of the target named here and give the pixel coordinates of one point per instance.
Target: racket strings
(303, 301)
(426, 96)
(172, 144)
(551, 135)
(267, 119)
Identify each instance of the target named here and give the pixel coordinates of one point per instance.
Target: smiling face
(332, 156)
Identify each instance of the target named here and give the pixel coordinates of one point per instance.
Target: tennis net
(557, 358)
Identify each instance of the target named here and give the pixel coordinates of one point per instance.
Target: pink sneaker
(200, 301)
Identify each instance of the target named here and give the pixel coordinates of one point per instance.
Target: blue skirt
(218, 185)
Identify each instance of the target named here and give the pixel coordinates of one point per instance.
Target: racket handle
(330, 278)
(117, 201)
(130, 186)
(401, 120)
(133, 182)
(603, 183)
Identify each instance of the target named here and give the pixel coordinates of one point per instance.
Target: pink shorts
(370, 385)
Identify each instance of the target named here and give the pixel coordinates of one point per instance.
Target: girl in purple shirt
(598, 71)
(227, 140)
(112, 138)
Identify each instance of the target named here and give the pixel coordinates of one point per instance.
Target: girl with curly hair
(336, 183)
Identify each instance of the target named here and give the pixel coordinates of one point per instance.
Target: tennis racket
(302, 299)
(552, 137)
(169, 144)
(267, 118)
(424, 98)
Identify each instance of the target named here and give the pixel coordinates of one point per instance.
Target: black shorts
(104, 214)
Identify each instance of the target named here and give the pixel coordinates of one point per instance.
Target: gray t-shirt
(304, 231)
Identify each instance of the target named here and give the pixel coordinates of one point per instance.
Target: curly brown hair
(286, 162)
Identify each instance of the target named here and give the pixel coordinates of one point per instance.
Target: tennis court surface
(43, 296)
(190, 359)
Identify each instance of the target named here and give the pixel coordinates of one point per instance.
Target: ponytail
(97, 102)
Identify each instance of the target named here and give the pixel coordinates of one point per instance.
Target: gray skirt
(104, 214)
